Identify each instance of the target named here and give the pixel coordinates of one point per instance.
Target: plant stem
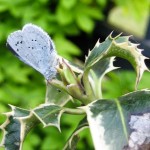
(74, 111)
(87, 86)
(98, 89)
(57, 84)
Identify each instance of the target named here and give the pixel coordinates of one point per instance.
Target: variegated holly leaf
(120, 47)
(97, 73)
(74, 138)
(18, 123)
(49, 114)
(110, 120)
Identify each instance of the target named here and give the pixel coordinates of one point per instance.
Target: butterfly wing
(15, 44)
(33, 46)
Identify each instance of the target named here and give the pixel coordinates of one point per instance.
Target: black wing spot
(29, 47)
(32, 47)
(17, 49)
(21, 42)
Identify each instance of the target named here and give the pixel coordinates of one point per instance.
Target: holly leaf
(18, 123)
(49, 114)
(120, 47)
(110, 120)
(97, 73)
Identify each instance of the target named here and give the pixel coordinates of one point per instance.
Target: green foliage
(23, 87)
(113, 86)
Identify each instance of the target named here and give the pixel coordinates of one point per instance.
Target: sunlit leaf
(68, 4)
(64, 17)
(85, 22)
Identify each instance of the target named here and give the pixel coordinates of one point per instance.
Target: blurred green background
(68, 22)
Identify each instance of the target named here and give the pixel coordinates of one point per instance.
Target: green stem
(57, 84)
(99, 90)
(87, 86)
(97, 85)
(74, 111)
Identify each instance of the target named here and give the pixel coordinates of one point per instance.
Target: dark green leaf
(49, 114)
(18, 123)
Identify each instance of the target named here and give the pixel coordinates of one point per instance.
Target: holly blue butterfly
(34, 47)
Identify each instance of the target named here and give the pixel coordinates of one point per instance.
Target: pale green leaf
(136, 9)
(68, 4)
(75, 67)
(64, 17)
(69, 75)
(102, 3)
(56, 96)
(94, 13)
(109, 119)
(4, 6)
(85, 22)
